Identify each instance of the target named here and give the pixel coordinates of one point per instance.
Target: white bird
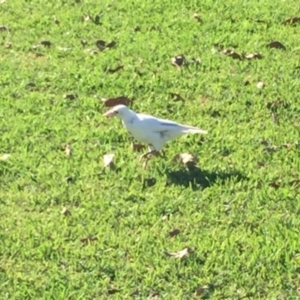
(151, 130)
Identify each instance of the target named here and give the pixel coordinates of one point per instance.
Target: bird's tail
(190, 129)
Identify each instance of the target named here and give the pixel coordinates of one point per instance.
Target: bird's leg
(147, 154)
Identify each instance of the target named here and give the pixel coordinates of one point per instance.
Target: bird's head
(120, 111)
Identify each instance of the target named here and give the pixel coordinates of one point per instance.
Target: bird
(155, 132)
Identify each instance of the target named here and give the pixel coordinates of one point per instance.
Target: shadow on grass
(201, 179)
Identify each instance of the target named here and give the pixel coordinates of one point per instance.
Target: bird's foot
(147, 155)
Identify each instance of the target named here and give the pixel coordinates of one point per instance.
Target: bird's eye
(116, 112)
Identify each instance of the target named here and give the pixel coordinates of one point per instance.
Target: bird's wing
(159, 125)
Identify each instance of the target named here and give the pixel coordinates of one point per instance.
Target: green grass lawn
(71, 228)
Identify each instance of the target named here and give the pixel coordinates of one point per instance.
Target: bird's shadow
(199, 179)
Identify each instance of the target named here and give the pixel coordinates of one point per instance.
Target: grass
(72, 229)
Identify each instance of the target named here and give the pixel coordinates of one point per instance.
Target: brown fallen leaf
(197, 17)
(83, 42)
(200, 290)
(39, 55)
(178, 60)
(108, 160)
(4, 28)
(180, 254)
(56, 21)
(291, 21)
(176, 97)
(97, 20)
(8, 45)
(112, 291)
(30, 85)
(114, 70)
(137, 147)
(261, 164)
(275, 184)
(154, 296)
(101, 44)
(254, 55)
(88, 239)
(65, 211)
(148, 182)
(4, 156)
(46, 43)
(67, 150)
(276, 45)
(174, 232)
(187, 159)
(111, 44)
(231, 53)
(70, 96)
(116, 101)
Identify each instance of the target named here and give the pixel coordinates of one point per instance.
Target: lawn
(73, 228)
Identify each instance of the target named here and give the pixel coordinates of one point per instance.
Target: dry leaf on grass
(231, 53)
(56, 21)
(276, 45)
(100, 44)
(200, 290)
(4, 28)
(112, 291)
(70, 96)
(108, 160)
(88, 239)
(176, 97)
(254, 55)
(67, 150)
(186, 158)
(178, 60)
(4, 156)
(103, 45)
(83, 42)
(174, 232)
(154, 296)
(65, 211)
(275, 184)
(197, 17)
(114, 70)
(116, 101)
(46, 44)
(291, 21)
(180, 254)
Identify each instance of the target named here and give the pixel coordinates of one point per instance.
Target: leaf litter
(116, 101)
(108, 160)
(180, 254)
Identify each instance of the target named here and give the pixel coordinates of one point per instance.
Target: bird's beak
(109, 113)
